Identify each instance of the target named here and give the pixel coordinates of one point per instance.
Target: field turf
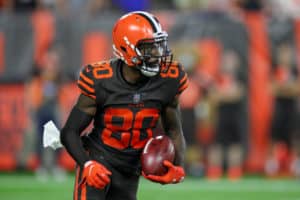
(25, 187)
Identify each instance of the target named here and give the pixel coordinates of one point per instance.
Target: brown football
(157, 150)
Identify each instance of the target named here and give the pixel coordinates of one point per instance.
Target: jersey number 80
(124, 128)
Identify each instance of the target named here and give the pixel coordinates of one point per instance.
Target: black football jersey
(127, 114)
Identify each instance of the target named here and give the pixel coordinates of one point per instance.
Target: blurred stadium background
(39, 37)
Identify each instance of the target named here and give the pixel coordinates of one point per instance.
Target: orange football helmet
(138, 39)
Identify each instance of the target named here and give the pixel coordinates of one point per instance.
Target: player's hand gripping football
(95, 175)
(175, 174)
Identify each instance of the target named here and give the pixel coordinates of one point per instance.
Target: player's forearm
(171, 119)
(72, 142)
(180, 147)
(70, 135)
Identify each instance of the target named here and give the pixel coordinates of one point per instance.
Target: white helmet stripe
(155, 24)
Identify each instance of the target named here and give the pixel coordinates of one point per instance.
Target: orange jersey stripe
(83, 193)
(89, 95)
(86, 79)
(76, 183)
(85, 86)
(184, 86)
(183, 79)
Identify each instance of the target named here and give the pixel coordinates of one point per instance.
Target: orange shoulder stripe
(183, 79)
(184, 86)
(86, 79)
(85, 86)
(89, 95)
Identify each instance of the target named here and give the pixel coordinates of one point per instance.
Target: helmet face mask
(141, 43)
(152, 54)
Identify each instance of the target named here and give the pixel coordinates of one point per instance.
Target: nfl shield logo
(136, 98)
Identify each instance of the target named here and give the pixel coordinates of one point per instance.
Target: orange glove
(175, 174)
(95, 175)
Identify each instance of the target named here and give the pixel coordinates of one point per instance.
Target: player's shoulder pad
(86, 82)
(90, 73)
(102, 70)
(177, 73)
(183, 80)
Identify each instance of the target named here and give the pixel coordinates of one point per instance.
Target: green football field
(26, 187)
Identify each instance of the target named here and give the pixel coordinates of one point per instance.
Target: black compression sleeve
(70, 135)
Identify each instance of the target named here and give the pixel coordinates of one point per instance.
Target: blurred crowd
(75, 7)
(215, 107)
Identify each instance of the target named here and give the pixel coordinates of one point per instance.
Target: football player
(125, 97)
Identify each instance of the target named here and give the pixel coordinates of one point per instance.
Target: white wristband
(87, 163)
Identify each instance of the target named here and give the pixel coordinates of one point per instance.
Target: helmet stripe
(153, 22)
